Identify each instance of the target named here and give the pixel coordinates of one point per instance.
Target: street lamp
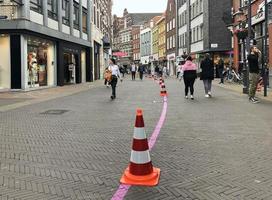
(248, 43)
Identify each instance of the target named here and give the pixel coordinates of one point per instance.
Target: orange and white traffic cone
(140, 170)
(163, 90)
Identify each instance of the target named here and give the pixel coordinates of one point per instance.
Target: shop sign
(3, 17)
(258, 18)
(215, 45)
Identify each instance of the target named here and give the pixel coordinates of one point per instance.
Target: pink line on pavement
(123, 189)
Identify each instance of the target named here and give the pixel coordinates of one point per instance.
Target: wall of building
(5, 62)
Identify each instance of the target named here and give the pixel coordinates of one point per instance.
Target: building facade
(45, 43)
(136, 30)
(125, 24)
(202, 30)
(145, 45)
(170, 23)
(101, 36)
(162, 48)
(155, 46)
(258, 31)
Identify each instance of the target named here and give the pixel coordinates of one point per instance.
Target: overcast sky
(139, 6)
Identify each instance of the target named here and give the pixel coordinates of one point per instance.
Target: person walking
(207, 74)
(164, 72)
(253, 63)
(141, 70)
(133, 71)
(221, 69)
(115, 75)
(189, 76)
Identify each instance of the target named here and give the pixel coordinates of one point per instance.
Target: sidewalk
(12, 100)
(239, 89)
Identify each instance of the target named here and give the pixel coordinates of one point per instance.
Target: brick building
(123, 24)
(170, 23)
(258, 34)
(136, 29)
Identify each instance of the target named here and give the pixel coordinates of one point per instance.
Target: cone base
(147, 180)
(164, 95)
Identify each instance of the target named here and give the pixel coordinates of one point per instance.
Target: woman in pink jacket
(189, 76)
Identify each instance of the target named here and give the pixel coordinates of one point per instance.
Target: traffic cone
(140, 170)
(163, 90)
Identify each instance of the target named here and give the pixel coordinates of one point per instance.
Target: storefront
(5, 62)
(30, 62)
(72, 64)
(171, 64)
(40, 68)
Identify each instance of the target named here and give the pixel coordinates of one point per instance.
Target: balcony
(9, 9)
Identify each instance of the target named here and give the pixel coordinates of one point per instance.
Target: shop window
(84, 20)
(76, 15)
(53, 9)
(40, 59)
(36, 5)
(65, 11)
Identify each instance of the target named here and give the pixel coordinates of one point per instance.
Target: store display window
(40, 59)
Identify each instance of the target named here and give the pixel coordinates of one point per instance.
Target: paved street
(208, 149)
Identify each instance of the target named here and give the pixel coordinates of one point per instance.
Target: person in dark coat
(141, 70)
(207, 74)
(220, 66)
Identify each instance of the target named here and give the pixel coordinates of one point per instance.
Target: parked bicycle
(231, 76)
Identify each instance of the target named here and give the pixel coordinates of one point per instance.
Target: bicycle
(231, 76)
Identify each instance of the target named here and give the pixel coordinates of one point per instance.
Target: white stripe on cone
(139, 133)
(140, 157)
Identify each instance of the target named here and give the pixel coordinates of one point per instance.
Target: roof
(140, 18)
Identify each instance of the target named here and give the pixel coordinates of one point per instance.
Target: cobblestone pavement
(208, 149)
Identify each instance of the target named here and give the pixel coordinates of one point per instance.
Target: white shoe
(210, 94)
(192, 97)
(186, 97)
(207, 96)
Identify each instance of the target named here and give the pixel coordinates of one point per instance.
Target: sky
(138, 6)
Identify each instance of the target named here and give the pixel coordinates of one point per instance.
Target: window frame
(51, 13)
(38, 6)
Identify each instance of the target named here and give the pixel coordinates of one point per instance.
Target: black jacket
(207, 69)
(253, 63)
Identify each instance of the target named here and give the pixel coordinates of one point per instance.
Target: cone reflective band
(140, 170)
(163, 90)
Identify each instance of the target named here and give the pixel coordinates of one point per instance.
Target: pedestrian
(157, 70)
(164, 71)
(115, 75)
(221, 69)
(122, 70)
(141, 70)
(253, 63)
(189, 76)
(207, 74)
(133, 71)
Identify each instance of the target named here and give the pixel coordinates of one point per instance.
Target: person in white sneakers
(114, 78)
(207, 74)
(189, 76)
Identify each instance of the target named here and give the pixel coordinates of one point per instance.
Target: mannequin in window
(32, 67)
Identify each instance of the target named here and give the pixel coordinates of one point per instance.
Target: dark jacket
(207, 68)
(141, 69)
(253, 63)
